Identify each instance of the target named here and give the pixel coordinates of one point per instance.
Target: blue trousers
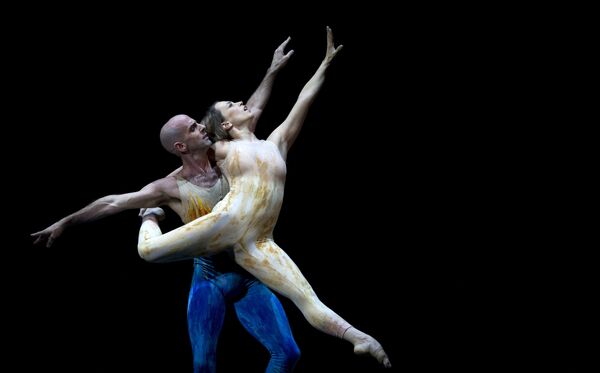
(257, 308)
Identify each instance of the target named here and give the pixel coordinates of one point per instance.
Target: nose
(240, 103)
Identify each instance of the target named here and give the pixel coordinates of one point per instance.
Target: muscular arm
(285, 135)
(256, 103)
(153, 194)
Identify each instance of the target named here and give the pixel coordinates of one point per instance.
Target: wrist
(155, 214)
(150, 217)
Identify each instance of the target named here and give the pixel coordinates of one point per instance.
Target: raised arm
(151, 195)
(285, 135)
(257, 102)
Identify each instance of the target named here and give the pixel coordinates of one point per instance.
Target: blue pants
(257, 308)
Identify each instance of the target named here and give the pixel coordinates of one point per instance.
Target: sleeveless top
(198, 201)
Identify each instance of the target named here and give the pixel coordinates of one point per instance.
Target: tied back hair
(212, 120)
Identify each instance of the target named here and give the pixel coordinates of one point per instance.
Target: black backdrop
(397, 202)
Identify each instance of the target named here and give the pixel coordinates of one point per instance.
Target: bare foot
(365, 344)
(370, 346)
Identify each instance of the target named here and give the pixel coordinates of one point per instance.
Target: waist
(215, 265)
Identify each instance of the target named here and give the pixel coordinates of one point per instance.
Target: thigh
(274, 268)
(206, 312)
(262, 315)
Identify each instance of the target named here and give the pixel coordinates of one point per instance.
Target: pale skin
(246, 217)
(191, 144)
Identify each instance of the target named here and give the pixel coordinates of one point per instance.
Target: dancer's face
(194, 135)
(234, 112)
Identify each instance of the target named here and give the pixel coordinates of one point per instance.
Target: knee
(294, 353)
(290, 353)
(146, 252)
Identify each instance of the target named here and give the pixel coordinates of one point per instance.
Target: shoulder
(167, 186)
(221, 148)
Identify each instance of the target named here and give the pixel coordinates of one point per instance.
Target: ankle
(344, 333)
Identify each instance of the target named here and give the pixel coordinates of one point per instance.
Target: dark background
(406, 199)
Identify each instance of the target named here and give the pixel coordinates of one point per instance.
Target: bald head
(173, 131)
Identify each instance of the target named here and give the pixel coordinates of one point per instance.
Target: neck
(195, 165)
(242, 133)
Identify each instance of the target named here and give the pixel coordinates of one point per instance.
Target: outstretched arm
(151, 195)
(257, 102)
(176, 171)
(285, 135)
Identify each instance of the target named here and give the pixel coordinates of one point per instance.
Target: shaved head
(172, 132)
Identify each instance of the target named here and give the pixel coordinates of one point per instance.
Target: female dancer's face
(234, 112)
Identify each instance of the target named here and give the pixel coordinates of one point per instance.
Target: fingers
(157, 212)
(283, 45)
(329, 37)
(41, 237)
(332, 50)
(289, 54)
(37, 240)
(38, 237)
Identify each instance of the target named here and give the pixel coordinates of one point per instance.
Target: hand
(157, 212)
(279, 58)
(49, 234)
(332, 51)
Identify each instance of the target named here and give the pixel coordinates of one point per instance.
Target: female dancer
(246, 217)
